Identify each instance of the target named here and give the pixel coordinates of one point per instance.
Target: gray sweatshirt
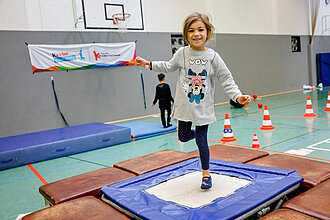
(198, 70)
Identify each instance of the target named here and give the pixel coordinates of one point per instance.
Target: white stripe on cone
(267, 123)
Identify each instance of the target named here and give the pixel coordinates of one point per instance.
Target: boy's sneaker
(206, 183)
(169, 125)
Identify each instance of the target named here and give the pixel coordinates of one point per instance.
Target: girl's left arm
(244, 99)
(226, 79)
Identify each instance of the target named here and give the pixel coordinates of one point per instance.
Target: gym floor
(306, 138)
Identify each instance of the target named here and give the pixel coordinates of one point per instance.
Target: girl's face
(197, 35)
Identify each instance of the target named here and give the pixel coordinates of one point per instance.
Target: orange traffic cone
(228, 135)
(309, 109)
(327, 109)
(267, 123)
(255, 142)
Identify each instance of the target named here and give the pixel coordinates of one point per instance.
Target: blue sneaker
(206, 183)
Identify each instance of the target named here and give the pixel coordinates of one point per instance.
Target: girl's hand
(140, 61)
(244, 99)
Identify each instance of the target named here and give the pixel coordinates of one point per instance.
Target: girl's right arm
(142, 62)
(163, 66)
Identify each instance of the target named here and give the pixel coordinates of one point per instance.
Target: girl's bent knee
(184, 139)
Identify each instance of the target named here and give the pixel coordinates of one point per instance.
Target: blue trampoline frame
(267, 183)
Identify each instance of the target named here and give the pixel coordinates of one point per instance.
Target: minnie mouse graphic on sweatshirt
(198, 72)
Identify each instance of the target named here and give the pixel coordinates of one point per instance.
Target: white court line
(301, 151)
(317, 148)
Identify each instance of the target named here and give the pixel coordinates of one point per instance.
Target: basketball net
(121, 20)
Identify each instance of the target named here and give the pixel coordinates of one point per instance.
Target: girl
(198, 67)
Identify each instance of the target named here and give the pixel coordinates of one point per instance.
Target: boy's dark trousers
(162, 116)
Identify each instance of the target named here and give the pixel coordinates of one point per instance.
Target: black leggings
(162, 115)
(185, 134)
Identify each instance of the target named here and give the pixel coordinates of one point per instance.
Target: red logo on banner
(97, 55)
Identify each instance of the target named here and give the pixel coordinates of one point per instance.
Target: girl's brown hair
(196, 16)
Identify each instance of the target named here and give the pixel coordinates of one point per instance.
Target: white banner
(81, 56)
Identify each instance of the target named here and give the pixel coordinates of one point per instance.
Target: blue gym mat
(141, 129)
(38, 146)
(268, 184)
(323, 68)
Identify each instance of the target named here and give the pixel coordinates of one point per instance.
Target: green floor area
(309, 138)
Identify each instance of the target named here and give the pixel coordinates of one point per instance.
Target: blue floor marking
(16, 178)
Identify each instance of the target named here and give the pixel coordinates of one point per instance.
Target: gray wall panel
(261, 64)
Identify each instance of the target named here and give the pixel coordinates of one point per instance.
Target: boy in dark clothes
(163, 94)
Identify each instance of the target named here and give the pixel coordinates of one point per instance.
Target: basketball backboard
(98, 13)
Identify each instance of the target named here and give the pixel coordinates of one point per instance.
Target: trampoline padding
(267, 183)
(313, 172)
(83, 208)
(38, 146)
(86, 184)
(314, 202)
(233, 154)
(153, 161)
(141, 129)
(286, 214)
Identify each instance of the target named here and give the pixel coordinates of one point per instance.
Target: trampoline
(174, 192)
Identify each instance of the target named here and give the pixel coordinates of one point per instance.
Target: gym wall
(109, 94)
(253, 37)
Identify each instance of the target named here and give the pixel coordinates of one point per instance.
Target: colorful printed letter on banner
(81, 56)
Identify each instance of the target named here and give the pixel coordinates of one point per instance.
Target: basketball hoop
(121, 20)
